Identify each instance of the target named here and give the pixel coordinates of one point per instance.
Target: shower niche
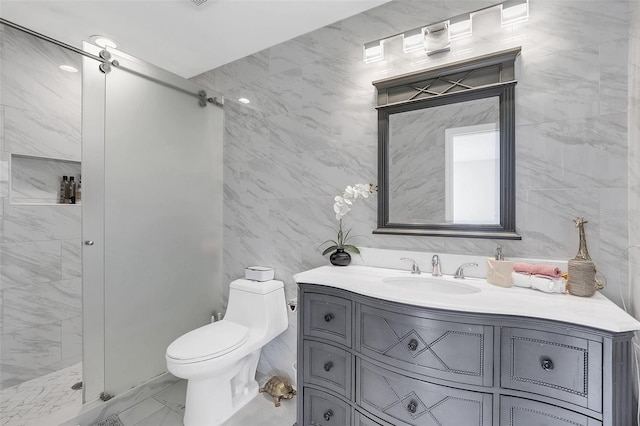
(36, 180)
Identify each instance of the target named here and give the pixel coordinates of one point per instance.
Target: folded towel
(545, 270)
(548, 285)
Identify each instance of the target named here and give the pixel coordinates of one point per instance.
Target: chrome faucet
(460, 270)
(414, 268)
(437, 270)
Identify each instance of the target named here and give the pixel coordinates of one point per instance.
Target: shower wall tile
(71, 259)
(29, 263)
(287, 156)
(31, 79)
(24, 353)
(40, 284)
(41, 304)
(42, 134)
(71, 339)
(40, 222)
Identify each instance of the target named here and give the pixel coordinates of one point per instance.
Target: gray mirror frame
(505, 91)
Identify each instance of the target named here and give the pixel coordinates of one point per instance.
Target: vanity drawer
(362, 420)
(524, 412)
(328, 366)
(556, 365)
(327, 317)
(321, 409)
(402, 400)
(447, 350)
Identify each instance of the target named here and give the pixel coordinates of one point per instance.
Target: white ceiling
(177, 35)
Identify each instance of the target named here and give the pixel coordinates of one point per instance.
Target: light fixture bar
(437, 36)
(374, 51)
(413, 40)
(514, 11)
(460, 26)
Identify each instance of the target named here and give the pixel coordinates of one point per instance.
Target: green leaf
(329, 249)
(328, 241)
(352, 249)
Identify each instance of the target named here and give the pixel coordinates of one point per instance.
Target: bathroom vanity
(383, 347)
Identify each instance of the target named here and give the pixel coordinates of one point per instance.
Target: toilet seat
(207, 342)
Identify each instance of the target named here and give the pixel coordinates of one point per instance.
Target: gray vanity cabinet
(369, 362)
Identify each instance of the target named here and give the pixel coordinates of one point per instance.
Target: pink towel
(544, 270)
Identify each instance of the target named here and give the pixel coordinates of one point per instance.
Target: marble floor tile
(262, 411)
(140, 411)
(45, 400)
(174, 396)
(164, 417)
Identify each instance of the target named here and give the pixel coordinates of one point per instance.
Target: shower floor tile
(46, 400)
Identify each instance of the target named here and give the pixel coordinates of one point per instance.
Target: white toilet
(219, 360)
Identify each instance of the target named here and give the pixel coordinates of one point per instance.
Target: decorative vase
(340, 258)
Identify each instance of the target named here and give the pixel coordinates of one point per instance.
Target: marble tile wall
(311, 128)
(634, 155)
(40, 251)
(634, 166)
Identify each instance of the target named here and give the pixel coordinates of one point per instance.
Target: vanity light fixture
(68, 68)
(103, 41)
(436, 37)
(460, 27)
(514, 11)
(413, 40)
(374, 51)
(244, 100)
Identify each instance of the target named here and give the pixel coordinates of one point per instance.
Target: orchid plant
(341, 207)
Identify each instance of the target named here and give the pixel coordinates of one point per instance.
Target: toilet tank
(261, 306)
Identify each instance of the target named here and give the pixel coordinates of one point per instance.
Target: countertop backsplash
(385, 258)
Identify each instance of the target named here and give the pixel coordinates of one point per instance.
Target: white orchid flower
(343, 202)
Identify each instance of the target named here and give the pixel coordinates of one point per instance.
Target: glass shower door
(162, 218)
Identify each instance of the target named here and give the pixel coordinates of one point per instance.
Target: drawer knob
(412, 345)
(547, 364)
(327, 415)
(412, 407)
(328, 366)
(328, 317)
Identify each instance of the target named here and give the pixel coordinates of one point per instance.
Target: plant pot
(340, 258)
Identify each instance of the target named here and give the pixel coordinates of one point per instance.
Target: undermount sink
(430, 285)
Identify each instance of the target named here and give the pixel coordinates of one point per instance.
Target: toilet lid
(209, 341)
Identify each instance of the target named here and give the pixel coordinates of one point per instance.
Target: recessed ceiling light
(244, 100)
(68, 68)
(103, 41)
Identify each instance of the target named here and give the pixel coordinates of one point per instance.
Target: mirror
(446, 150)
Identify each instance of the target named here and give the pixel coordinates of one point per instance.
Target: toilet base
(208, 403)
(213, 400)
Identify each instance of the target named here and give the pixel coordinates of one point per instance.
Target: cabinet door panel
(524, 412)
(453, 351)
(321, 409)
(403, 400)
(328, 366)
(327, 317)
(556, 365)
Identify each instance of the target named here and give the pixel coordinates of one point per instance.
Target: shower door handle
(88, 243)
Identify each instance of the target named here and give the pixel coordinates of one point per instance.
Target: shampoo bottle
(64, 183)
(499, 270)
(79, 190)
(72, 190)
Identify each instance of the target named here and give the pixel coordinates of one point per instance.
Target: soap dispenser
(499, 270)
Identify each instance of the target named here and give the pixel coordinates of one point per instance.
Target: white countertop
(597, 311)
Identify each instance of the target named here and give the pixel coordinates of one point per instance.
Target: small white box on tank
(259, 273)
